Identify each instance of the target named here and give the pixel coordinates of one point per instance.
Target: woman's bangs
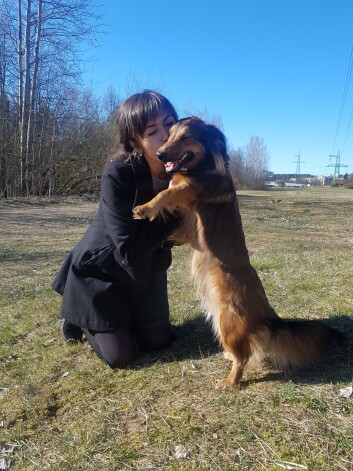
(153, 107)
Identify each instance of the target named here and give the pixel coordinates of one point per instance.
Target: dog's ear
(218, 145)
(219, 139)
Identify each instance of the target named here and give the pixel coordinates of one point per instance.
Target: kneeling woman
(114, 282)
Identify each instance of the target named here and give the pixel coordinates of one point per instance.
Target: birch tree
(45, 37)
(256, 162)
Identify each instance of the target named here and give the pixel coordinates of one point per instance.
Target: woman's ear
(135, 146)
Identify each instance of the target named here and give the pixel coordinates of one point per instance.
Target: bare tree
(237, 163)
(45, 38)
(256, 162)
(6, 124)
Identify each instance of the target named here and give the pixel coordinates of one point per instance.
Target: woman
(114, 282)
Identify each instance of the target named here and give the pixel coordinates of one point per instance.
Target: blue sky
(268, 68)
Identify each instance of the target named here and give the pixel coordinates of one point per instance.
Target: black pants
(120, 347)
(141, 320)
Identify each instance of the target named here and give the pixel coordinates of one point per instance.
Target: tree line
(249, 164)
(47, 124)
(54, 136)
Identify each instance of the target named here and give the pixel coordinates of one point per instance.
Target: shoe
(71, 333)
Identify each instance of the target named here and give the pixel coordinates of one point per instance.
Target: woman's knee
(154, 335)
(118, 348)
(120, 360)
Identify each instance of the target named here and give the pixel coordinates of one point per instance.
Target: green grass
(65, 410)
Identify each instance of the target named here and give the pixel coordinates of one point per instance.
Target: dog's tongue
(169, 166)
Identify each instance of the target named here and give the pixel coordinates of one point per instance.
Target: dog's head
(192, 146)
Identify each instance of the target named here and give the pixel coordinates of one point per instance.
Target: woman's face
(154, 136)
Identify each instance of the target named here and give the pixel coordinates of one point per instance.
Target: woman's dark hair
(134, 113)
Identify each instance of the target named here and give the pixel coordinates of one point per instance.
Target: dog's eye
(183, 137)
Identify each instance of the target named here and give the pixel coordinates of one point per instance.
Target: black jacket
(117, 253)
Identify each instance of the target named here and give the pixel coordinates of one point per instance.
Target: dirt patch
(36, 229)
(25, 212)
(22, 218)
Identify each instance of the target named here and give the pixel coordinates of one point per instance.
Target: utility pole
(298, 162)
(337, 166)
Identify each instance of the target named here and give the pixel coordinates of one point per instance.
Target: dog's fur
(233, 296)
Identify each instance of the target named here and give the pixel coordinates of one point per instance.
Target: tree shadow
(30, 219)
(11, 255)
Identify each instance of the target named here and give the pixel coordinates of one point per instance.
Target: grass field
(63, 409)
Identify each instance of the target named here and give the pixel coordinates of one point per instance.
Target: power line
(348, 130)
(344, 97)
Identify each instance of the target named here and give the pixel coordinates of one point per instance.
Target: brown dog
(233, 296)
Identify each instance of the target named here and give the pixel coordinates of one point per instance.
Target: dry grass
(64, 410)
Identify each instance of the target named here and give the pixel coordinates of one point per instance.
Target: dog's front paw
(226, 385)
(143, 212)
(138, 213)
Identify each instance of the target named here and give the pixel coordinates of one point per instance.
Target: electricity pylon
(298, 162)
(337, 166)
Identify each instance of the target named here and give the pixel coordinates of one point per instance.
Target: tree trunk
(32, 92)
(20, 85)
(25, 111)
(52, 164)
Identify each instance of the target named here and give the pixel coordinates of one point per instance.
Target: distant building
(325, 180)
(292, 181)
(295, 185)
(284, 184)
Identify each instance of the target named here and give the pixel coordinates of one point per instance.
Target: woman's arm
(135, 240)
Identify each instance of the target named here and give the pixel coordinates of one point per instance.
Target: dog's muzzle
(173, 166)
(161, 155)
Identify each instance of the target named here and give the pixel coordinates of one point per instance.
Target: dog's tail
(297, 343)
